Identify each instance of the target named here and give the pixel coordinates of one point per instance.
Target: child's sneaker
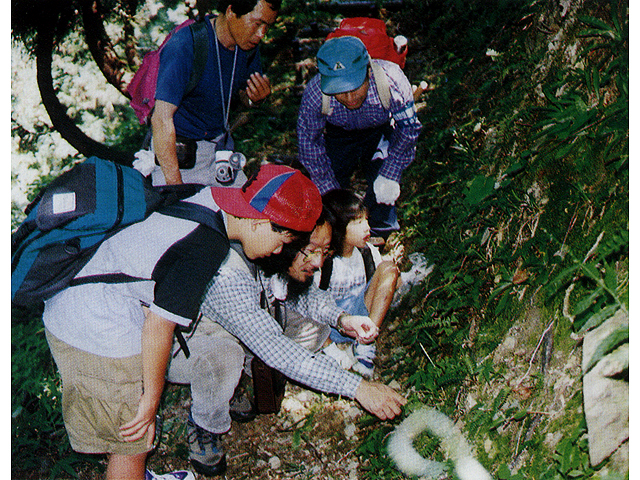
(344, 357)
(177, 475)
(364, 354)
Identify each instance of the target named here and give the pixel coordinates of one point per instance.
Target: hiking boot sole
(210, 470)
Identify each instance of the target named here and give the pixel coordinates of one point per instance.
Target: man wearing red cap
(111, 342)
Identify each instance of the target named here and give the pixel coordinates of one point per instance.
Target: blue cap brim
(341, 84)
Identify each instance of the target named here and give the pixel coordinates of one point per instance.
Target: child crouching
(357, 277)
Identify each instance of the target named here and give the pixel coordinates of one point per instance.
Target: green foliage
(373, 448)
(516, 198)
(518, 194)
(571, 456)
(598, 278)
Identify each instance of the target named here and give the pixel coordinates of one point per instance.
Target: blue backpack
(76, 212)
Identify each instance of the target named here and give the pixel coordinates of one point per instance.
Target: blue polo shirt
(199, 115)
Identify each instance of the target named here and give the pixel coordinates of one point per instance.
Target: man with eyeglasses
(233, 317)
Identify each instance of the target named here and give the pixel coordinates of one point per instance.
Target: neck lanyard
(227, 107)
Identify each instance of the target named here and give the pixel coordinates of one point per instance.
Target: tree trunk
(100, 45)
(58, 112)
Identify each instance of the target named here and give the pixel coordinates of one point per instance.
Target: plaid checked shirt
(233, 301)
(402, 144)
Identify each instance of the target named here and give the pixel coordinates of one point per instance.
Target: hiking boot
(206, 453)
(364, 358)
(241, 408)
(177, 475)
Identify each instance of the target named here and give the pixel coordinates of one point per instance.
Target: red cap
(278, 193)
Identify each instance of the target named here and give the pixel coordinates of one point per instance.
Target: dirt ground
(313, 436)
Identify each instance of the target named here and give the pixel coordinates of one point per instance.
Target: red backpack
(142, 88)
(373, 33)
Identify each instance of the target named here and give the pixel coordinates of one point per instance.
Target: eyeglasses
(318, 252)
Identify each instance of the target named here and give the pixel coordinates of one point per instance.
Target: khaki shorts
(99, 394)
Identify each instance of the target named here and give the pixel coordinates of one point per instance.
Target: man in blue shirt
(196, 121)
(349, 118)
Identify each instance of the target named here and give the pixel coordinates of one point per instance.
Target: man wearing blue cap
(358, 111)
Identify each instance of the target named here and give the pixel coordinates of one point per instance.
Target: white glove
(386, 191)
(145, 162)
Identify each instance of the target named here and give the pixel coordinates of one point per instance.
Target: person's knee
(384, 282)
(224, 359)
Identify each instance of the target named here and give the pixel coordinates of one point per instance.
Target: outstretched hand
(380, 400)
(359, 327)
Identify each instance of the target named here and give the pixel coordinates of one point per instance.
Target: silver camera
(227, 165)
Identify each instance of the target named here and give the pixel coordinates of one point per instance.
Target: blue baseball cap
(343, 63)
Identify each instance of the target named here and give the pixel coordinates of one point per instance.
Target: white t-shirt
(178, 256)
(348, 280)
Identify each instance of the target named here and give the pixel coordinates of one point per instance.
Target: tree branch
(58, 112)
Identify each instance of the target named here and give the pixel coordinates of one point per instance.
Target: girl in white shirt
(348, 282)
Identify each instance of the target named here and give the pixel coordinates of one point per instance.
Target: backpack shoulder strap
(325, 275)
(369, 264)
(326, 108)
(200, 51)
(327, 268)
(382, 84)
(196, 213)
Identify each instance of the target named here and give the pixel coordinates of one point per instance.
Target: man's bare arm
(164, 141)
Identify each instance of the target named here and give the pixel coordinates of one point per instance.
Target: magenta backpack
(142, 88)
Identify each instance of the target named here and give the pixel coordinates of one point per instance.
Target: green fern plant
(598, 276)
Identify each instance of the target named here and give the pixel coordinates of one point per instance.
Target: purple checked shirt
(402, 144)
